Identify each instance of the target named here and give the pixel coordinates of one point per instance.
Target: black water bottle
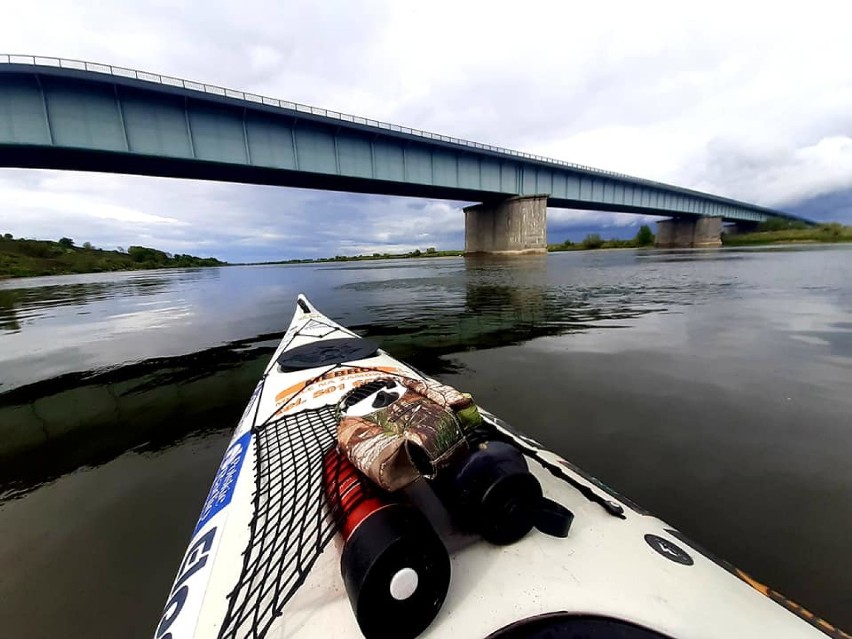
(492, 492)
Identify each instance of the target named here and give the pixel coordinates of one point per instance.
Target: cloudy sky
(747, 100)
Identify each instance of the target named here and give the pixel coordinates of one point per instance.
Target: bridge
(84, 116)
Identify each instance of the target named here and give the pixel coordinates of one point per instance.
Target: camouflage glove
(395, 430)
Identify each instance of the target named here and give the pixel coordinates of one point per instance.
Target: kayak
(278, 552)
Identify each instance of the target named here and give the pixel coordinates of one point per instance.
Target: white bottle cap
(403, 584)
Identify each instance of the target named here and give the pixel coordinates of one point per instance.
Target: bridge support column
(702, 232)
(514, 226)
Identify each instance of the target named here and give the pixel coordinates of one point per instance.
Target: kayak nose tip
(303, 304)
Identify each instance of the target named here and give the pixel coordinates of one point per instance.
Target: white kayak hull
(264, 559)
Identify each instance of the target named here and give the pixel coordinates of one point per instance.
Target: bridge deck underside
(158, 166)
(69, 120)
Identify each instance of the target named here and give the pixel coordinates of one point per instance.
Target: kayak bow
(264, 557)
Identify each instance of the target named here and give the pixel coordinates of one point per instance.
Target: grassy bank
(822, 233)
(30, 258)
(772, 232)
(603, 244)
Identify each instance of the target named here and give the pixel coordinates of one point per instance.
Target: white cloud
(732, 98)
(777, 171)
(75, 206)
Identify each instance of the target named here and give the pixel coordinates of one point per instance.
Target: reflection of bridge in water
(489, 312)
(57, 424)
(67, 114)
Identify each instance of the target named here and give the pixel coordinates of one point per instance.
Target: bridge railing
(123, 72)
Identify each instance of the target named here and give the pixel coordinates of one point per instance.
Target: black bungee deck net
(292, 523)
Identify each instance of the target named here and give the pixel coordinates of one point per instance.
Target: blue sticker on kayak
(226, 479)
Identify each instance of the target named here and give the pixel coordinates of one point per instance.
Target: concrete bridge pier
(514, 226)
(681, 232)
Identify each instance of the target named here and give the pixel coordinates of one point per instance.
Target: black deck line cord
(613, 508)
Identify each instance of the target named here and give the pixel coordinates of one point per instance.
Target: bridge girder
(95, 119)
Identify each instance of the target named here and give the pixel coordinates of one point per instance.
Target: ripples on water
(96, 365)
(89, 352)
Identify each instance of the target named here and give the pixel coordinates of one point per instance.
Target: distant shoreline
(43, 258)
(766, 238)
(430, 253)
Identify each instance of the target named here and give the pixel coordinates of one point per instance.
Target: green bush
(780, 224)
(592, 241)
(34, 248)
(144, 254)
(833, 230)
(615, 243)
(645, 237)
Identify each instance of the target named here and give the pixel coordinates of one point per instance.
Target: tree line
(26, 257)
(643, 238)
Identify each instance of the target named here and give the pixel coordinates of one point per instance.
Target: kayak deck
(492, 586)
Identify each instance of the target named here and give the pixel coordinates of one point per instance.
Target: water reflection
(193, 351)
(79, 418)
(53, 325)
(488, 302)
(55, 426)
(30, 300)
(9, 300)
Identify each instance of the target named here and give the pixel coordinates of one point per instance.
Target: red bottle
(395, 567)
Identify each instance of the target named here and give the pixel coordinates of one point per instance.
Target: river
(712, 387)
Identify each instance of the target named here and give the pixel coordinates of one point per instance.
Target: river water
(714, 388)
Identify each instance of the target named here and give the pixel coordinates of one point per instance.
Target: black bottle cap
(396, 571)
